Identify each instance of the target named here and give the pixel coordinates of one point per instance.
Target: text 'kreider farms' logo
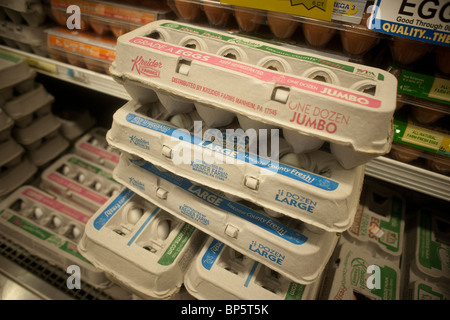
(147, 67)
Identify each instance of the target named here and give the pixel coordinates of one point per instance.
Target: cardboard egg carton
(221, 273)
(425, 289)
(36, 129)
(48, 150)
(140, 246)
(75, 121)
(15, 76)
(80, 182)
(309, 94)
(296, 250)
(94, 147)
(30, 11)
(26, 38)
(49, 229)
(348, 276)
(314, 188)
(6, 125)
(379, 223)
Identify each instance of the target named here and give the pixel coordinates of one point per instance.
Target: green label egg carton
(221, 273)
(140, 246)
(80, 182)
(379, 222)
(49, 229)
(314, 188)
(294, 249)
(349, 105)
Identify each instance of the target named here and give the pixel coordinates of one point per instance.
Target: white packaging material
(13, 72)
(429, 252)
(356, 273)
(80, 182)
(32, 136)
(221, 273)
(16, 175)
(38, 99)
(323, 194)
(94, 147)
(310, 94)
(380, 221)
(49, 229)
(26, 38)
(49, 150)
(32, 11)
(140, 246)
(294, 249)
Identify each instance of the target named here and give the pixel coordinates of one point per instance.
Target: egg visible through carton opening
(407, 51)
(187, 10)
(249, 20)
(217, 15)
(439, 163)
(282, 25)
(359, 40)
(318, 35)
(405, 153)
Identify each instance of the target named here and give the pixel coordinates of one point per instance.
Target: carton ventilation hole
(369, 89)
(18, 205)
(155, 35)
(150, 249)
(119, 232)
(280, 94)
(231, 56)
(183, 67)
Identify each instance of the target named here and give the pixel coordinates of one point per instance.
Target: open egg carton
(24, 37)
(140, 246)
(219, 272)
(311, 187)
(94, 147)
(30, 12)
(112, 18)
(49, 229)
(379, 223)
(79, 182)
(297, 250)
(424, 146)
(308, 96)
(428, 251)
(81, 49)
(346, 32)
(358, 273)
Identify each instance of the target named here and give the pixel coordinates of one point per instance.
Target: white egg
(38, 213)
(134, 214)
(66, 170)
(76, 232)
(57, 222)
(81, 178)
(97, 186)
(163, 229)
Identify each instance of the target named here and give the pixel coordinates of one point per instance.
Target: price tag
(423, 20)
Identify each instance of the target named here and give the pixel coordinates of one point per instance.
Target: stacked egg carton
(166, 67)
(427, 272)
(22, 25)
(29, 105)
(16, 167)
(377, 238)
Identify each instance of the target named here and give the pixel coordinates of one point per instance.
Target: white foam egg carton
(39, 128)
(26, 38)
(348, 272)
(94, 147)
(140, 246)
(79, 181)
(15, 73)
(30, 11)
(21, 108)
(318, 191)
(220, 273)
(379, 222)
(294, 249)
(429, 252)
(312, 95)
(49, 229)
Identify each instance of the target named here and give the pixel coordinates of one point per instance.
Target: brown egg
(187, 10)
(359, 40)
(439, 163)
(75, 60)
(249, 20)
(443, 58)
(405, 153)
(93, 64)
(282, 25)
(318, 35)
(59, 16)
(426, 115)
(217, 15)
(57, 54)
(101, 28)
(407, 51)
(119, 29)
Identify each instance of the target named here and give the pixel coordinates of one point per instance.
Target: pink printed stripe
(260, 73)
(100, 152)
(56, 205)
(77, 188)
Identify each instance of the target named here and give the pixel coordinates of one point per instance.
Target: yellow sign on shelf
(317, 9)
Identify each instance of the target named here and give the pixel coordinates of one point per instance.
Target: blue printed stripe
(250, 275)
(112, 208)
(237, 209)
(143, 226)
(183, 135)
(211, 255)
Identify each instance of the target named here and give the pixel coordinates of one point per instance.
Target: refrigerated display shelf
(383, 168)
